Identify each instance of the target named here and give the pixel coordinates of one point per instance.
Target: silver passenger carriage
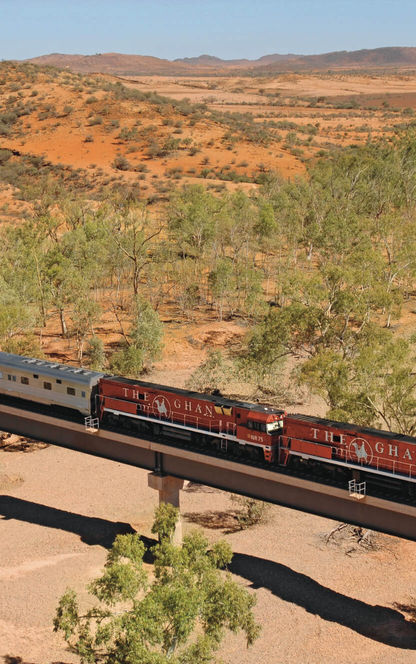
(48, 382)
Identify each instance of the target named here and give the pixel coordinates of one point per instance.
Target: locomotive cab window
(71, 391)
(257, 426)
(274, 426)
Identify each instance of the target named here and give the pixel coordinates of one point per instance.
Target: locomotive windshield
(271, 427)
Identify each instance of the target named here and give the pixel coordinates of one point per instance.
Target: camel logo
(161, 406)
(360, 451)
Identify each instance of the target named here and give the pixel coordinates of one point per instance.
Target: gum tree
(179, 614)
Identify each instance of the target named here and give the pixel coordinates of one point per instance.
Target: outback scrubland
(255, 235)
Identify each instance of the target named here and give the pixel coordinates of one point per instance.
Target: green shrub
(96, 120)
(121, 163)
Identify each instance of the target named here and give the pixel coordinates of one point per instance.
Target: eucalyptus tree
(142, 343)
(135, 236)
(374, 386)
(178, 615)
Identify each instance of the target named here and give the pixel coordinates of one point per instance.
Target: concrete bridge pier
(169, 492)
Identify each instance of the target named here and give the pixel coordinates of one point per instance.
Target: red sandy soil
(72, 139)
(234, 89)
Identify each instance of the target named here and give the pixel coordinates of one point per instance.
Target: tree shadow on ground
(12, 659)
(91, 530)
(13, 443)
(215, 520)
(408, 608)
(379, 623)
(194, 487)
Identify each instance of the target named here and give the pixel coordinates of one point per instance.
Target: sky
(185, 28)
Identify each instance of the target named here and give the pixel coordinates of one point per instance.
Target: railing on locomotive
(402, 468)
(194, 421)
(185, 419)
(398, 468)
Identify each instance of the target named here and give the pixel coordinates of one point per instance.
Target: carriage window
(71, 391)
(11, 377)
(1, 374)
(24, 380)
(83, 394)
(35, 376)
(47, 386)
(58, 380)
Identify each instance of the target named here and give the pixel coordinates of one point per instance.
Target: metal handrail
(182, 418)
(357, 489)
(381, 463)
(401, 468)
(92, 423)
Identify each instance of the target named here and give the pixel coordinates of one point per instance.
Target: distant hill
(111, 63)
(122, 64)
(208, 60)
(212, 61)
(365, 59)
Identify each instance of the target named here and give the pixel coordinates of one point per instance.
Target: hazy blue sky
(226, 28)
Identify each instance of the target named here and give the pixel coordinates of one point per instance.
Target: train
(323, 448)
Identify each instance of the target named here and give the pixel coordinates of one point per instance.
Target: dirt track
(60, 509)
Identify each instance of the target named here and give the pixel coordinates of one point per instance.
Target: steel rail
(257, 482)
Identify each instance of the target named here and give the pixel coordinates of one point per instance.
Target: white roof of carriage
(50, 369)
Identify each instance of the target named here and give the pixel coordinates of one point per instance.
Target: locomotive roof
(346, 426)
(50, 369)
(216, 399)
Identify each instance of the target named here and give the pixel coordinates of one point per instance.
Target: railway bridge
(170, 465)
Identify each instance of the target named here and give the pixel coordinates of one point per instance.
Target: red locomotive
(346, 445)
(203, 419)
